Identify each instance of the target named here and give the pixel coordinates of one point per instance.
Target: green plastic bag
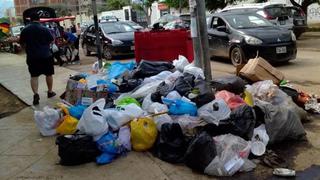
(127, 100)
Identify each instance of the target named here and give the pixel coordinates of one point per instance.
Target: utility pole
(96, 25)
(199, 36)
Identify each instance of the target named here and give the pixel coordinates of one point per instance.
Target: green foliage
(116, 4)
(176, 3)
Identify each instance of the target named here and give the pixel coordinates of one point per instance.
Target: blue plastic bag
(109, 147)
(117, 69)
(180, 107)
(108, 84)
(77, 111)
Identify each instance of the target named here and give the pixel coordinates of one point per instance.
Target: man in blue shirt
(37, 40)
(74, 40)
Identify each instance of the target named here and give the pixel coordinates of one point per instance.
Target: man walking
(37, 40)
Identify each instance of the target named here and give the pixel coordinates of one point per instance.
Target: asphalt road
(303, 72)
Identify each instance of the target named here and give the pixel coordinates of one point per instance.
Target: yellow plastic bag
(248, 98)
(143, 133)
(68, 125)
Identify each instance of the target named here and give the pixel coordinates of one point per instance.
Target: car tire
(107, 53)
(85, 50)
(237, 56)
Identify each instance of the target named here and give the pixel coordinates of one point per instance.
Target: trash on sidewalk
(171, 110)
(258, 69)
(284, 172)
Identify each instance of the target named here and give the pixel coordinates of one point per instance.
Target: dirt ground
(9, 103)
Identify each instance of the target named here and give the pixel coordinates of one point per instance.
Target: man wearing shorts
(37, 39)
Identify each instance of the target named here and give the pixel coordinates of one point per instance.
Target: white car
(274, 12)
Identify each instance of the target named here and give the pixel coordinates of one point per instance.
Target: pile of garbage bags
(173, 112)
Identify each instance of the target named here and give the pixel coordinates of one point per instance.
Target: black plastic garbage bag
(151, 68)
(290, 92)
(203, 91)
(232, 84)
(162, 90)
(129, 85)
(200, 152)
(184, 84)
(171, 144)
(214, 130)
(243, 121)
(76, 149)
(282, 123)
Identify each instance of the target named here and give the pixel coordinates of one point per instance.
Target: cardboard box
(75, 95)
(258, 69)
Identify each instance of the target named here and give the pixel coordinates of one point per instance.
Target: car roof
(252, 6)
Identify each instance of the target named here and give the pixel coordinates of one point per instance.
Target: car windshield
(132, 23)
(112, 28)
(244, 21)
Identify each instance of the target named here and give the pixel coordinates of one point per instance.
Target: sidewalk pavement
(25, 154)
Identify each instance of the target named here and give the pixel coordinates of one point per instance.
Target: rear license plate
(132, 47)
(281, 50)
(299, 22)
(282, 22)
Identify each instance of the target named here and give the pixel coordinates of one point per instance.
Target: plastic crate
(164, 45)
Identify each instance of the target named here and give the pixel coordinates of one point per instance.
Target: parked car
(136, 26)
(299, 20)
(117, 39)
(177, 24)
(242, 36)
(278, 14)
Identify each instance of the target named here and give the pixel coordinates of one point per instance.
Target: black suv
(117, 39)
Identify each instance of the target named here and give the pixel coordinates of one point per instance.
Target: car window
(216, 22)
(274, 12)
(241, 21)
(111, 28)
(293, 12)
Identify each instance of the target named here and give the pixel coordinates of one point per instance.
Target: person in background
(74, 41)
(37, 39)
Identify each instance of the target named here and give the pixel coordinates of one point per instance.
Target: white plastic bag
(197, 72)
(173, 95)
(162, 119)
(93, 121)
(215, 111)
(47, 120)
(157, 108)
(120, 116)
(187, 123)
(232, 154)
(173, 77)
(54, 48)
(259, 140)
(180, 63)
(145, 89)
(159, 77)
(269, 92)
(124, 138)
(146, 103)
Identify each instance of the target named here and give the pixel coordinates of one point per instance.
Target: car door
(91, 37)
(218, 40)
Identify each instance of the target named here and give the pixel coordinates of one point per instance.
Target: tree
(116, 4)
(144, 7)
(61, 10)
(304, 4)
(176, 3)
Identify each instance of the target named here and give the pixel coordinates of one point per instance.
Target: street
(302, 72)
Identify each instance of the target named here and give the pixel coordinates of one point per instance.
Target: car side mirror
(222, 28)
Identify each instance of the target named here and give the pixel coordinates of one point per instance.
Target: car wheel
(107, 53)
(85, 50)
(237, 56)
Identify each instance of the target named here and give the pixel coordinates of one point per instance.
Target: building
(21, 5)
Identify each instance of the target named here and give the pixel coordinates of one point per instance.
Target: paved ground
(24, 154)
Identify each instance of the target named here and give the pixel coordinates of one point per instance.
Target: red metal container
(164, 45)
